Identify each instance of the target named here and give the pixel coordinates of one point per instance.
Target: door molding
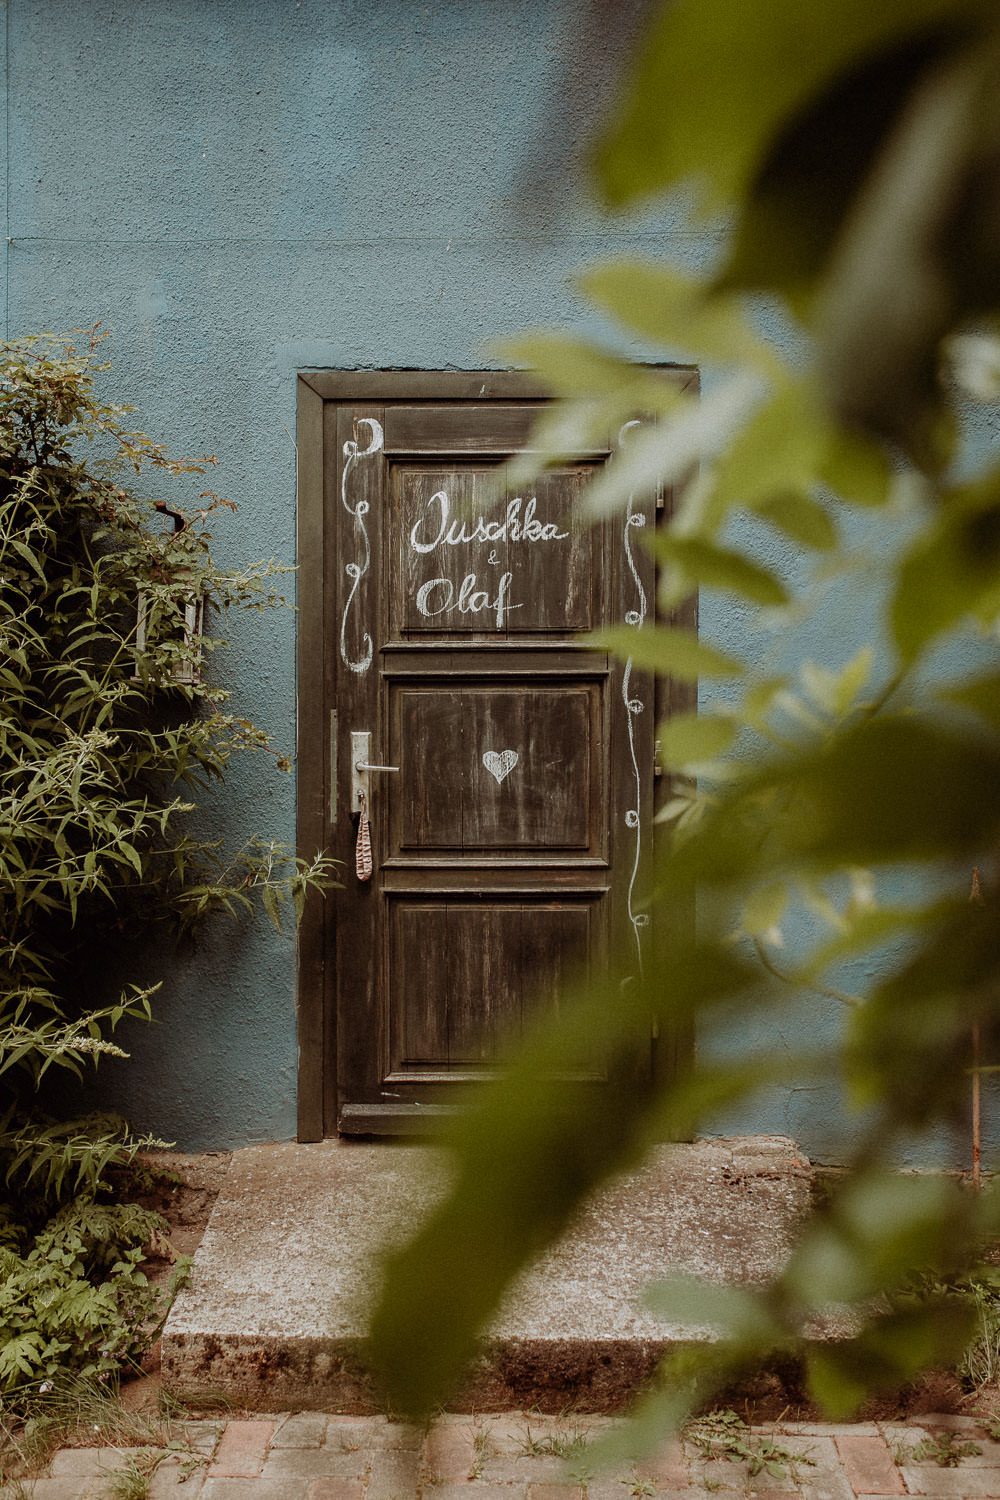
(319, 394)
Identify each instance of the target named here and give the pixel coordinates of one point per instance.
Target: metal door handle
(361, 767)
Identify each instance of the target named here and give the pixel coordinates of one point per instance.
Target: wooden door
(508, 846)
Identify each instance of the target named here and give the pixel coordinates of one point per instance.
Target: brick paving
(523, 1456)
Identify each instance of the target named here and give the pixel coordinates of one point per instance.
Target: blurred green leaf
(732, 88)
(677, 311)
(704, 564)
(779, 448)
(915, 259)
(951, 570)
(856, 469)
(693, 739)
(662, 453)
(576, 367)
(887, 1354)
(913, 1036)
(807, 184)
(801, 518)
(858, 148)
(837, 692)
(980, 695)
(675, 652)
(525, 1155)
(889, 789)
(730, 1311)
(881, 1225)
(764, 908)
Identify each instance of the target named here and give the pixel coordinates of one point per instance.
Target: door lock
(361, 769)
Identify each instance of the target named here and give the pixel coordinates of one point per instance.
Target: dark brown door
(508, 846)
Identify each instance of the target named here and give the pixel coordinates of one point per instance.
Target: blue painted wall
(238, 189)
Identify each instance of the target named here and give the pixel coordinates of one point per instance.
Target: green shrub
(73, 1296)
(110, 733)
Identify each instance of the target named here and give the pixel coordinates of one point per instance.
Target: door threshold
(394, 1119)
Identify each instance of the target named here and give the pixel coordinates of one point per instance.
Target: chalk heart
(500, 763)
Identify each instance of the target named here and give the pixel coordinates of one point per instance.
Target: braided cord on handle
(363, 863)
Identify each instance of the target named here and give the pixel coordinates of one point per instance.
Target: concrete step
(275, 1314)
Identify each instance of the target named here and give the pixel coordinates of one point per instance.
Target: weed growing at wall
(74, 1298)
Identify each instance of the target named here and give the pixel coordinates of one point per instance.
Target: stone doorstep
(275, 1314)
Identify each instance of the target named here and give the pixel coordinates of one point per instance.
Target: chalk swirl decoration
(355, 571)
(636, 617)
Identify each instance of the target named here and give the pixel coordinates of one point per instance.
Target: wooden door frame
(316, 727)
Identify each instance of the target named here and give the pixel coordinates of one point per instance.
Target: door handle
(361, 768)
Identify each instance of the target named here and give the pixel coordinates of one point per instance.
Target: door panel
(464, 978)
(509, 844)
(504, 768)
(465, 566)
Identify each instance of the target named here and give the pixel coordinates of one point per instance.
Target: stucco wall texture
(239, 189)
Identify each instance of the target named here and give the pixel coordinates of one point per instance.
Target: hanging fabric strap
(363, 851)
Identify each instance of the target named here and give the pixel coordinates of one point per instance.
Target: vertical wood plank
(418, 983)
(484, 974)
(554, 571)
(633, 731)
(314, 1042)
(673, 1047)
(356, 587)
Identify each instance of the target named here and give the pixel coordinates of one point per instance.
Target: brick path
(519, 1456)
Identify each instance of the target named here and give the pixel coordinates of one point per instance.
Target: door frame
(316, 746)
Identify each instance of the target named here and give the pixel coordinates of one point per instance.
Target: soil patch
(184, 1189)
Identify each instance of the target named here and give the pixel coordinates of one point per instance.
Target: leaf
(763, 911)
(878, 1228)
(733, 81)
(916, 258)
(693, 739)
(856, 469)
(808, 182)
(674, 652)
(837, 692)
(732, 1312)
(950, 570)
(888, 1354)
(705, 563)
(895, 788)
(800, 518)
(576, 367)
(523, 1158)
(981, 695)
(271, 906)
(679, 312)
(946, 982)
(778, 449)
(30, 557)
(663, 453)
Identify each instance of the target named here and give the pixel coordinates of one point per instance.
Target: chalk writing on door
(435, 530)
(432, 531)
(439, 597)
